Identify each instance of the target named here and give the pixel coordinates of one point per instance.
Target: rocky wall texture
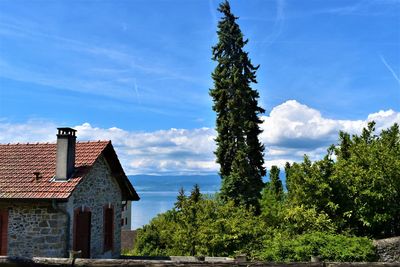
(128, 238)
(43, 262)
(35, 230)
(388, 249)
(98, 189)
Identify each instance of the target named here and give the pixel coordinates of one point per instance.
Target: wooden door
(82, 227)
(3, 232)
(108, 229)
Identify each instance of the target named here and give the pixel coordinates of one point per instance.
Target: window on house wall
(108, 227)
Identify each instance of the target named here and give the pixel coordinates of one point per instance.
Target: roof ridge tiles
(92, 141)
(53, 143)
(27, 143)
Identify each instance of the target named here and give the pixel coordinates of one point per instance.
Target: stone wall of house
(35, 229)
(99, 188)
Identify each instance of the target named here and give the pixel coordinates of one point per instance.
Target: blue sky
(138, 72)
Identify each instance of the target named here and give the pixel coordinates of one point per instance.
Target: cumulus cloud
(293, 129)
(31, 131)
(294, 125)
(290, 131)
(173, 151)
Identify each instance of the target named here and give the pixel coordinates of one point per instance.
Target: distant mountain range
(168, 183)
(171, 183)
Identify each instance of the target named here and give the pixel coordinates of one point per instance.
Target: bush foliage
(330, 247)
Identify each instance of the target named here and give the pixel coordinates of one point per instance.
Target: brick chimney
(65, 165)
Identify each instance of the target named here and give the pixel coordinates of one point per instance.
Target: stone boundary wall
(128, 238)
(388, 249)
(62, 262)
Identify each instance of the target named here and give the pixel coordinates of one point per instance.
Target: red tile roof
(18, 162)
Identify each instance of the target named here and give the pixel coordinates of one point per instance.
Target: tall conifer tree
(239, 151)
(275, 182)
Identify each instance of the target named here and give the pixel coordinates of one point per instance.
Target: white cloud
(384, 119)
(163, 151)
(290, 131)
(31, 131)
(293, 129)
(292, 124)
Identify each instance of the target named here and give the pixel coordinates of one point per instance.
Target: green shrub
(330, 247)
(302, 220)
(156, 238)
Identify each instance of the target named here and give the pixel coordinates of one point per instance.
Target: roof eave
(128, 191)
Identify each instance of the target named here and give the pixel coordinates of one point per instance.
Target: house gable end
(99, 188)
(128, 192)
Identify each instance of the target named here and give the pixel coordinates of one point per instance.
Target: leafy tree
(367, 181)
(360, 190)
(239, 151)
(300, 220)
(309, 183)
(227, 229)
(158, 238)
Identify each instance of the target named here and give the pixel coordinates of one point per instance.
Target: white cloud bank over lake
(290, 131)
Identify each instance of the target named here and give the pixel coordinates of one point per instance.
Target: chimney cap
(37, 175)
(65, 131)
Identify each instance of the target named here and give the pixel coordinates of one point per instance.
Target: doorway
(82, 227)
(3, 232)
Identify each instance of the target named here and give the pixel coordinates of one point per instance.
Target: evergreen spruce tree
(287, 175)
(275, 182)
(239, 151)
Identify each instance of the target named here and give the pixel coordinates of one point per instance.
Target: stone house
(61, 197)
